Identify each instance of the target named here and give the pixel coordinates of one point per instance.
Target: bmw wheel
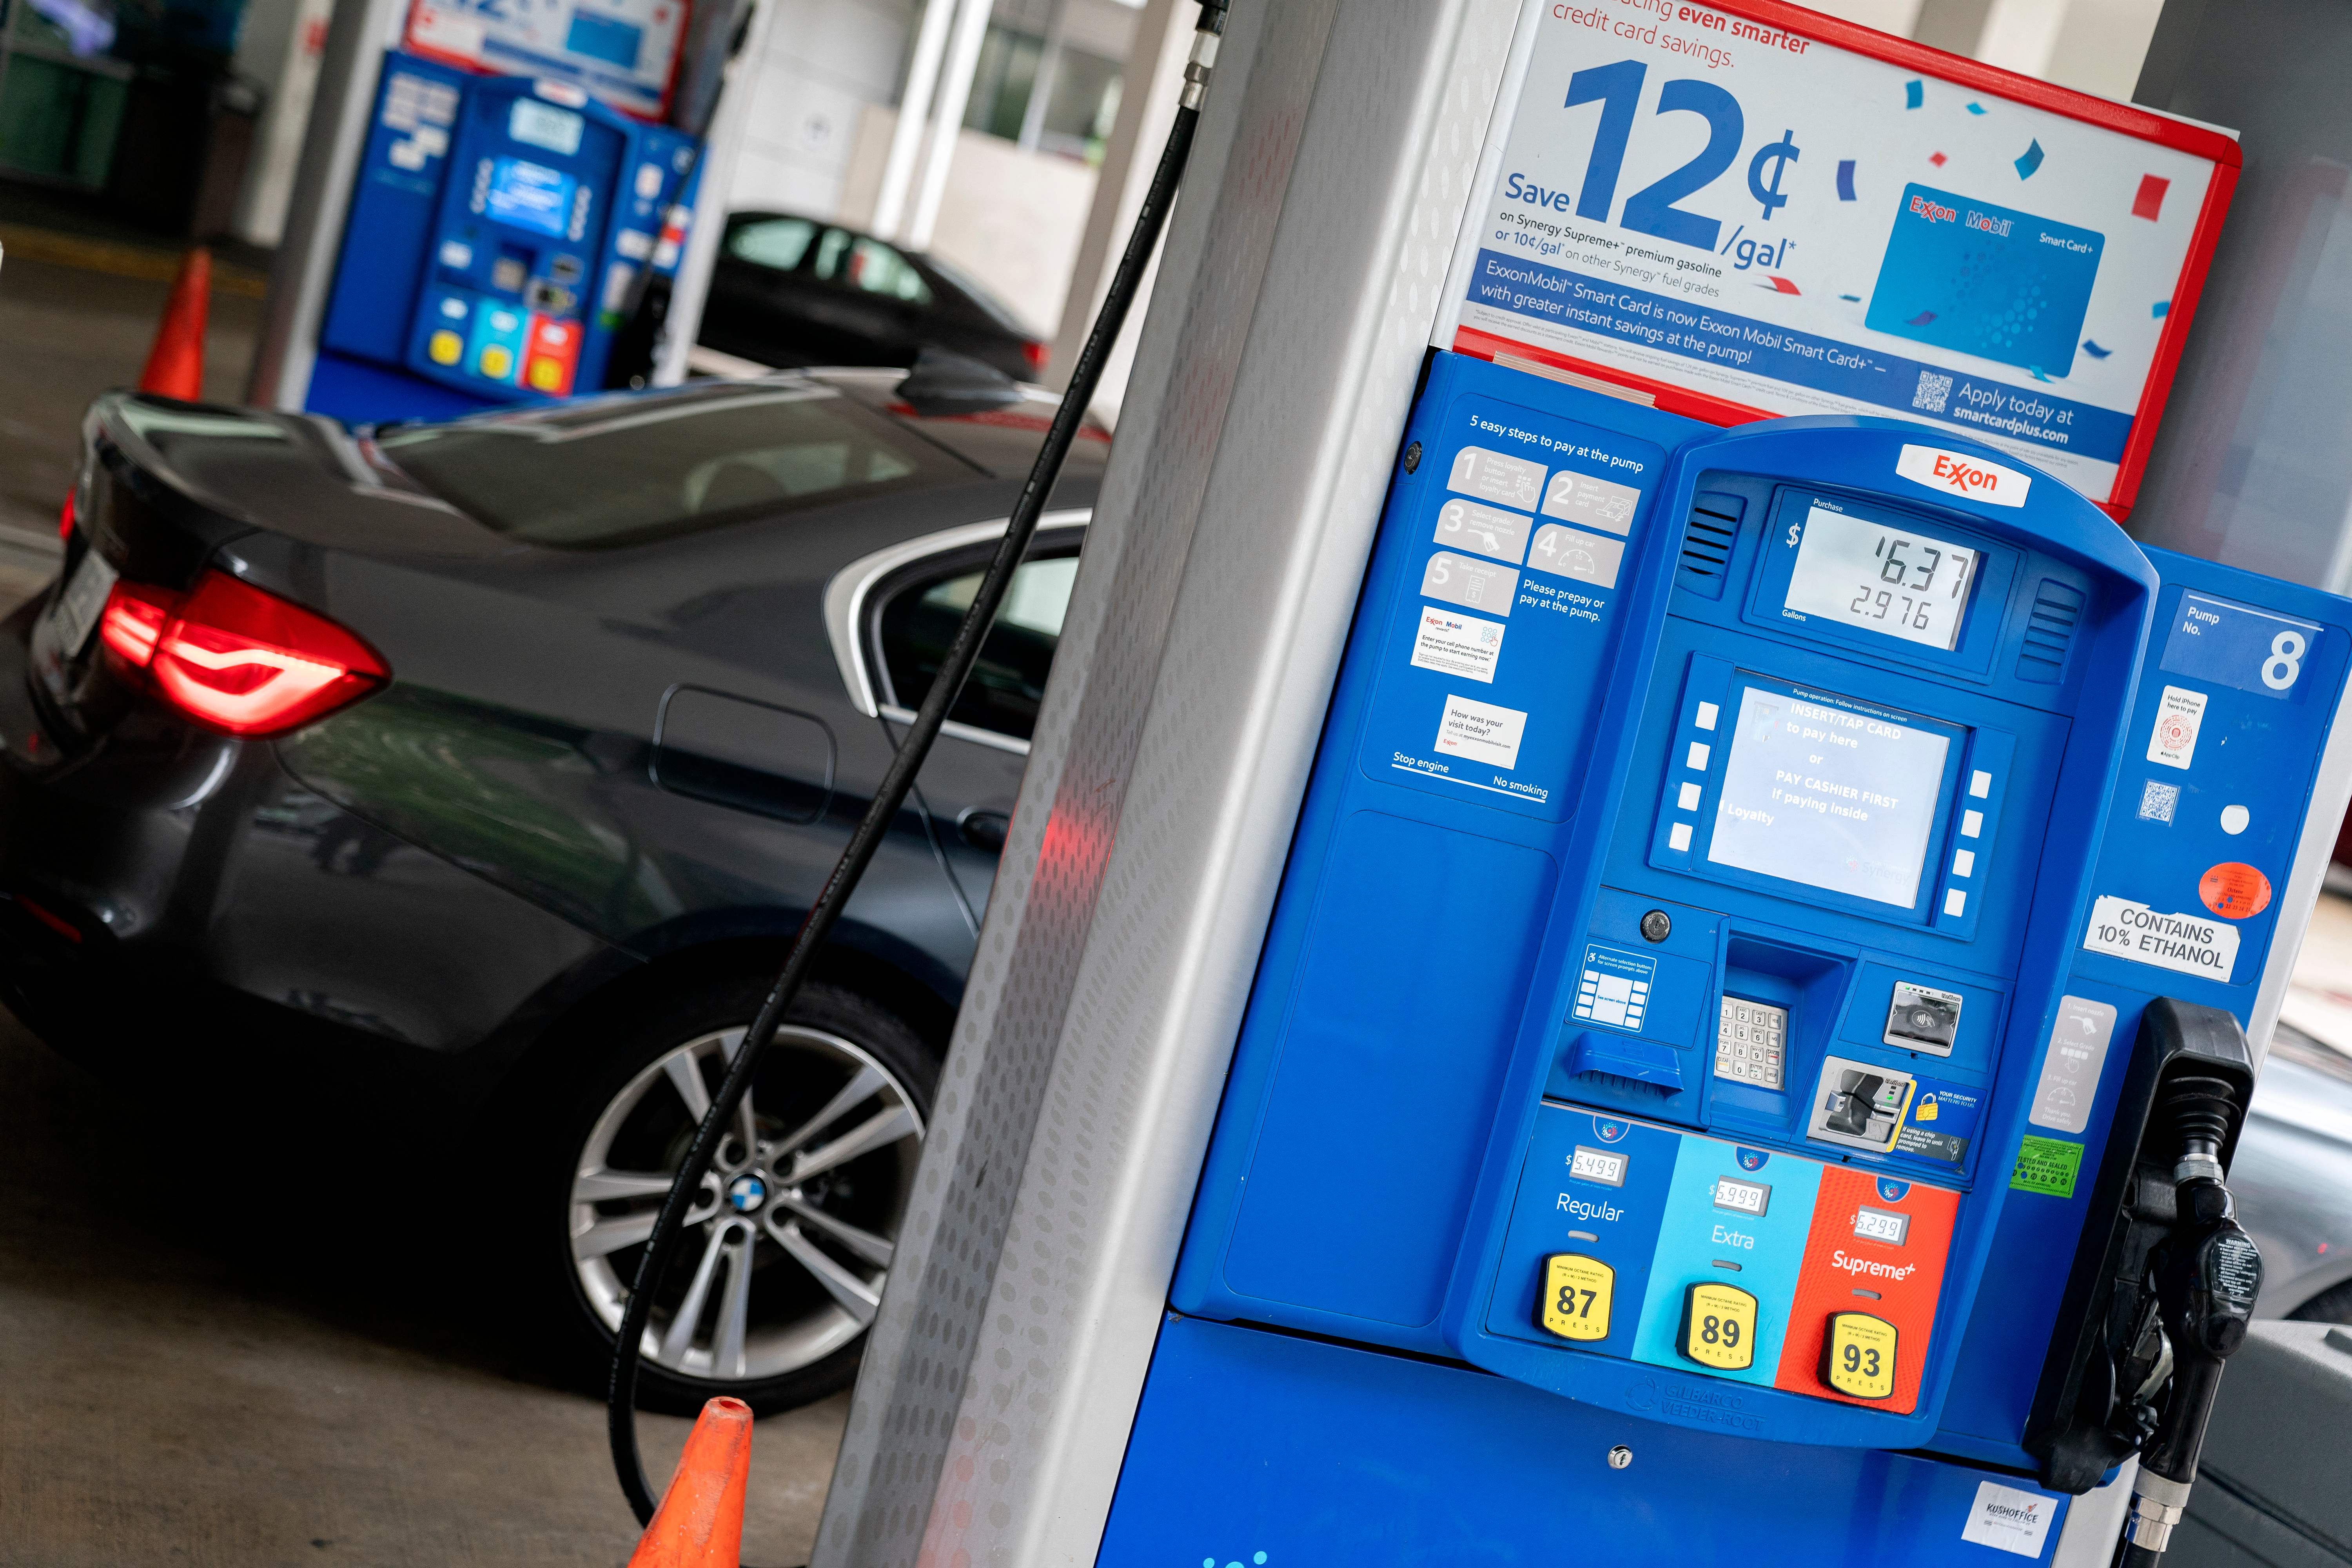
(785, 1251)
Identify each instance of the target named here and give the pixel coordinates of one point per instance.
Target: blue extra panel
(1263, 1450)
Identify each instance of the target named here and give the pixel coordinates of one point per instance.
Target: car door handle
(984, 830)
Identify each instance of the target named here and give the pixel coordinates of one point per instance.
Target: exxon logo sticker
(1956, 474)
(1892, 1191)
(1610, 1132)
(1751, 1159)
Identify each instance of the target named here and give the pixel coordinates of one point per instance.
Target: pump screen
(543, 125)
(1837, 799)
(1598, 1165)
(1882, 578)
(529, 195)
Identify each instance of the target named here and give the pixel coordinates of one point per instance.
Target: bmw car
(500, 758)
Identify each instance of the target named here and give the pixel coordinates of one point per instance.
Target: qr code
(2156, 801)
(1933, 391)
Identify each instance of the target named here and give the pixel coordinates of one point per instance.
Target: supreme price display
(1748, 210)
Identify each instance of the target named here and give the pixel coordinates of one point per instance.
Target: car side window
(869, 267)
(1007, 684)
(777, 242)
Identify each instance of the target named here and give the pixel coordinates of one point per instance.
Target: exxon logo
(1955, 473)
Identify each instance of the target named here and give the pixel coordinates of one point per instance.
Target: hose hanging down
(661, 1243)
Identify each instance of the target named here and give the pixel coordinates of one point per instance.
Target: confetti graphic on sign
(2029, 161)
(1915, 93)
(1781, 285)
(2037, 373)
(1845, 180)
(2094, 351)
(1937, 158)
(1856, 299)
(1921, 320)
(2161, 309)
(2149, 202)
(1976, 108)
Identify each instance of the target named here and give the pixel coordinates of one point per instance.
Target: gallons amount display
(1881, 579)
(1840, 798)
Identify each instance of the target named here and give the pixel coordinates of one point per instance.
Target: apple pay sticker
(1470, 582)
(1595, 503)
(1481, 732)
(2179, 714)
(1455, 644)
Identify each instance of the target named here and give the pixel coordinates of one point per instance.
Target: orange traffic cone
(700, 1522)
(175, 366)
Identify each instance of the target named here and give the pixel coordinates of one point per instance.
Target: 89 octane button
(1858, 1355)
(1576, 1292)
(1720, 1327)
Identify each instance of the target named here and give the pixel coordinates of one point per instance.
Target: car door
(972, 777)
(868, 298)
(758, 285)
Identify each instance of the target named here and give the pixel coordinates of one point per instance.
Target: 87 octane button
(1720, 1327)
(1576, 1292)
(1858, 1355)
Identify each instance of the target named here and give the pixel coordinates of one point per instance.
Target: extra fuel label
(2186, 945)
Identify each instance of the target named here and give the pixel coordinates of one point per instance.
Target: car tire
(2330, 1306)
(810, 1193)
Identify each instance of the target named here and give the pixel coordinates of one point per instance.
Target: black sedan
(789, 291)
(504, 755)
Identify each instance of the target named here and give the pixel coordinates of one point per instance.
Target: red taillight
(238, 658)
(1036, 354)
(65, 518)
(132, 622)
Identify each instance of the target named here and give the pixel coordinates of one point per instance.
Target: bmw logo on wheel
(746, 1193)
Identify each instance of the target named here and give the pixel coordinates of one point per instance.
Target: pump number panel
(1758, 1266)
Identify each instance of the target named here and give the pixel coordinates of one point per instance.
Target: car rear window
(619, 471)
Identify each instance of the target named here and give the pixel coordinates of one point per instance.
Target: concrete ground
(218, 1341)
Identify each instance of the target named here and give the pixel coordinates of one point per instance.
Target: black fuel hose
(661, 1243)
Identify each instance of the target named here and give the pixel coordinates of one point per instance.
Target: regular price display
(1597, 1165)
(1880, 578)
(1654, 210)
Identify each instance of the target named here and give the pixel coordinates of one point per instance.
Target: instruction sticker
(2072, 1066)
(1481, 732)
(1595, 503)
(1452, 643)
(1571, 552)
(1487, 529)
(1943, 1121)
(2179, 716)
(2186, 945)
(2007, 1518)
(2048, 1166)
(1473, 584)
(1498, 477)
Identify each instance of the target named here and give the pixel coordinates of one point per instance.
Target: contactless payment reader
(1772, 889)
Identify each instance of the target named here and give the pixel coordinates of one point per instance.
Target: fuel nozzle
(2204, 1277)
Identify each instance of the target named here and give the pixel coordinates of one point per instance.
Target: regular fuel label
(2187, 944)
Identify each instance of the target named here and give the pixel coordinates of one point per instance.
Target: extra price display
(1747, 223)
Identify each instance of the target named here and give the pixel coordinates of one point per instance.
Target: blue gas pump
(499, 232)
(1737, 871)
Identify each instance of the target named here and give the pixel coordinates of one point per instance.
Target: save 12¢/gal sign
(1745, 210)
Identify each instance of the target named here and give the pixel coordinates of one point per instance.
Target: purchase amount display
(1881, 579)
(1832, 797)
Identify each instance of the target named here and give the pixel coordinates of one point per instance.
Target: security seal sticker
(2009, 1519)
(2179, 714)
(1457, 645)
(1480, 732)
(1943, 1121)
(2187, 944)
(2046, 1166)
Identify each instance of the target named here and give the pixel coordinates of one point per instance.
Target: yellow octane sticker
(1720, 1327)
(1858, 1355)
(1576, 1292)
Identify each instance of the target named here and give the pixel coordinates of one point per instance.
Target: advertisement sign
(624, 51)
(1745, 210)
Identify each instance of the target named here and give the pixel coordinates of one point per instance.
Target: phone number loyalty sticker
(2187, 944)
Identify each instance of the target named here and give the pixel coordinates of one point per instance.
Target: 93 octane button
(1720, 1327)
(1576, 1297)
(1858, 1355)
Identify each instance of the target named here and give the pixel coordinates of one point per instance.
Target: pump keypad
(1719, 1327)
(1577, 1293)
(1751, 1043)
(1858, 1355)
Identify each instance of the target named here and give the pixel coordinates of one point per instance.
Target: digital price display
(1597, 1165)
(1881, 1225)
(1869, 574)
(1741, 1197)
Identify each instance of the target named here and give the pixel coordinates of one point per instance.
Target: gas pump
(1773, 951)
(517, 191)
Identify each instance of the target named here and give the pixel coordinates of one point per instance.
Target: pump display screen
(1742, 1197)
(1881, 1225)
(1597, 1165)
(1881, 578)
(1835, 796)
